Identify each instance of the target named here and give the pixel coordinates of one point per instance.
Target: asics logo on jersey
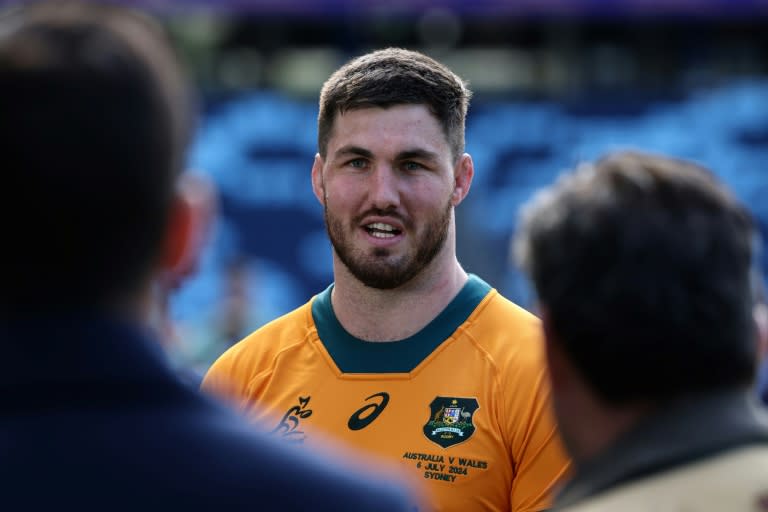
(359, 420)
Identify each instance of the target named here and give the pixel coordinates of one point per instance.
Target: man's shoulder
(295, 322)
(505, 329)
(733, 480)
(260, 348)
(500, 307)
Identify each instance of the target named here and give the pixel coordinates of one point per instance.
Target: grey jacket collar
(681, 432)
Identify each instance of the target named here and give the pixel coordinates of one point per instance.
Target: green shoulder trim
(353, 355)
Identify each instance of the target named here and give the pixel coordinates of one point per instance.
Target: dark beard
(387, 276)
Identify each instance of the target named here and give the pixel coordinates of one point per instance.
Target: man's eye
(357, 163)
(412, 166)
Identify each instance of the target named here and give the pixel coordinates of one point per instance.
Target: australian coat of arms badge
(450, 420)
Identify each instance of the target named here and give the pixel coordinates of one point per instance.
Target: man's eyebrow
(352, 151)
(419, 154)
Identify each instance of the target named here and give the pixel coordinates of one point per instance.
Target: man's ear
(557, 363)
(193, 211)
(317, 179)
(463, 174)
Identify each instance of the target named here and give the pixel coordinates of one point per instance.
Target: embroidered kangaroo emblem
(288, 426)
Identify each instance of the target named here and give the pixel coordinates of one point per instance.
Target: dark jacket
(92, 418)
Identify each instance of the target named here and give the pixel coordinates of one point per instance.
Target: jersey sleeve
(536, 450)
(540, 460)
(234, 374)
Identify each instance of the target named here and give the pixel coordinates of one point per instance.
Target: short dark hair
(644, 265)
(94, 120)
(394, 76)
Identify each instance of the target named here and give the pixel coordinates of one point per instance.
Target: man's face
(387, 187)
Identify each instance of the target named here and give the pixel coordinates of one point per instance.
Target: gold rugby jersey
(463, 405)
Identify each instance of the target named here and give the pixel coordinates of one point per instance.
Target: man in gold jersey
(405, 356)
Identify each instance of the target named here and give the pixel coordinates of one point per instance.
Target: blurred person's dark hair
(395, 76)
(94, 119)
(644, 266)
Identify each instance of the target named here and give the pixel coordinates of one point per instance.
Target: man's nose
(384, 187)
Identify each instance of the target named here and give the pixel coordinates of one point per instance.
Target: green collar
(353, 355)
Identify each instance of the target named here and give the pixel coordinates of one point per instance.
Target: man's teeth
(381, 230)
(380, 226)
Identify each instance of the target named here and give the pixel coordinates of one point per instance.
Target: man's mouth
(382, 230)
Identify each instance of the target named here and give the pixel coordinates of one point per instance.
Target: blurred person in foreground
(643, 267)
(405, 355)
(94, 121)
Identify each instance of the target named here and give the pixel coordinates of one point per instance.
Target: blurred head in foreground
(94, 121)
(643, 267)
(94, 125)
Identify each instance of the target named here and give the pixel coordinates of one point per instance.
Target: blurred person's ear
(192, 215)
(760, 313)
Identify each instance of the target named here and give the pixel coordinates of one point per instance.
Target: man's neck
(390, 315)
(602, 431)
